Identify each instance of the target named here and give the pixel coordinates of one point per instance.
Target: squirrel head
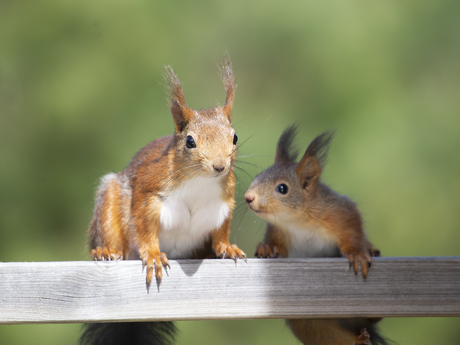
(205, 141)
(290, 190)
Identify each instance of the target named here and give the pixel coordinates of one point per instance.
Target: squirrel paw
(106, 254)
(226, 251)
(157, 261)
(364, 338)
(357, 257)
(374, 252)
(266, 251)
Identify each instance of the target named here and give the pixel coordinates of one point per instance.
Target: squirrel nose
(249, 198)
(218, 168)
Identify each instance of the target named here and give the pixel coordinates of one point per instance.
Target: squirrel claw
(364, 338)
(266, 251)
(356, 259)
(231, 252)
(154, 262)
(263, 251)
(106, 254)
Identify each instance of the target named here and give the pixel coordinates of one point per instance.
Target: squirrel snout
(218, 164)
(218, 167)
(249, 197)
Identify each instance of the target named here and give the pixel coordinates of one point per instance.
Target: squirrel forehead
(276, 173)
(211, 123)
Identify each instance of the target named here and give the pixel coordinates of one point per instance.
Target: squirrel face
(208, 142)
(277, 196)
(290, 192)
(205, 140)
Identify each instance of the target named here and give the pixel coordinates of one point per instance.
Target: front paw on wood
(230, 251)
(357, 259)
(154, 261)
(106, 254)
(266, 251)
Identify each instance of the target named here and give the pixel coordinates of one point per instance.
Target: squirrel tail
(132, 333)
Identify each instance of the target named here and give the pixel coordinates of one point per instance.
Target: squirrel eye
(282, 188)
(235, 139)
(190, 142)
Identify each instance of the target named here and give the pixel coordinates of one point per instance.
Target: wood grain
(63, 292)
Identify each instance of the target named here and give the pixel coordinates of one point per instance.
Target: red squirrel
(307, 219)
(175, 199)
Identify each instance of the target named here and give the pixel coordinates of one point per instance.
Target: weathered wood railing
(63, 292)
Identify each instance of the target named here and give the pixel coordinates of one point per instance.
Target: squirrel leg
(221, 245)
(109, 220)
(151, 256)
(147, 224)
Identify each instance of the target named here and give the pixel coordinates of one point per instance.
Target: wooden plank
(62, 292)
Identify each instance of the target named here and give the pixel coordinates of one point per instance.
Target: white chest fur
(189, 214)
(310, 243)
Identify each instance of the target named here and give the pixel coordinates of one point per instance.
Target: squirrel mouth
(254, 210)
(213, 174)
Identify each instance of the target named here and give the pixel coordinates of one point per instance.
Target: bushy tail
(129, 333)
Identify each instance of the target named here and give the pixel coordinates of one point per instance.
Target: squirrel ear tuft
(313, 161)
(285, 152)
(181, 116)
(179, 110)
(226, 74)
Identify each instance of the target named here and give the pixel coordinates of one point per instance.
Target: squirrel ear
(179, 110)
(226, 74)
(284, 149)
(311, 165)
(308, 171)
(181, 116)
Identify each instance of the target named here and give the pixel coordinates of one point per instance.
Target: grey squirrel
(174, 200)
(308, 219)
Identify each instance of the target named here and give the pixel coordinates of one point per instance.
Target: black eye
(189, 142)
(235, 139)
(282, 188)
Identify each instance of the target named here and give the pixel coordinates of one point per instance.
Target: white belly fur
(189, 214)
(310, 243)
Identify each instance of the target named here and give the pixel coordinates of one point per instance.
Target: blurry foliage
(81, 91)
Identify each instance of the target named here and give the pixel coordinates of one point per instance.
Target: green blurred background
(81, 90)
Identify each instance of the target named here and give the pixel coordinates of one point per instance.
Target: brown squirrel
(175, 198)
(308, 219)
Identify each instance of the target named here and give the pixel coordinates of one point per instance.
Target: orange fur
(127, 220)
